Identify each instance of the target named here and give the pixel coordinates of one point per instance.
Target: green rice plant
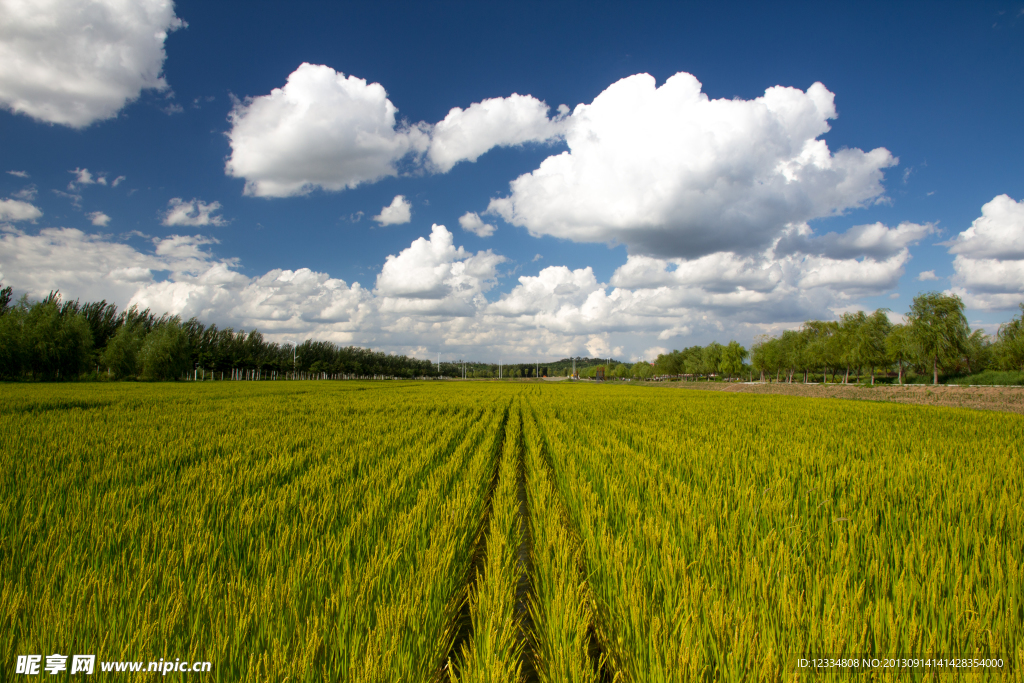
(278, 531)
(301, 531)
(561, 604)
(725, 536)
(494, 650)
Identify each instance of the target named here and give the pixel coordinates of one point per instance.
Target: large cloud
(321, 130)
(324, 130)
(989, 264)
(74, 62)
(671, 173)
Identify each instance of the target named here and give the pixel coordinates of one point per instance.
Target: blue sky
(210, 173)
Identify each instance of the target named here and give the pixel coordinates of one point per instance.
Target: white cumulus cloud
(465, 134)
(471, 222)
(433, 275)
(997, 233)
(14, 210)
(927, 275)
(396, 213)
(669, 172)
(74, 62)
(98, 218)
(324, 130)
(321, 130)
(988, 270)
(193, 213)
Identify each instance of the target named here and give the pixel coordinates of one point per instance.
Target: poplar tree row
(62, 340)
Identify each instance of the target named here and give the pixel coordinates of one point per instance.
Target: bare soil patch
(1005, 399)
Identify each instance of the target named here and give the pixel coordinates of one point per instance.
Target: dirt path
(1006, 399)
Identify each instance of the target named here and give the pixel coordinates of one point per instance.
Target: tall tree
(6, 294)
(899, 347)
(872, 340)
(712, 359)
(1011, 343)
(850, 325)
(164, 353)
(939, 328)
(733, 356)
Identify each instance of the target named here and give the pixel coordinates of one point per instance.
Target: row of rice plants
(561, 601)
(279, 531)
(727, 535)
(493, 651)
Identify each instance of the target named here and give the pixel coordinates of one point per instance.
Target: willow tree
(939, 328)
(899, 347)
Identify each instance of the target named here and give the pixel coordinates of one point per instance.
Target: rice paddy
(401, 531)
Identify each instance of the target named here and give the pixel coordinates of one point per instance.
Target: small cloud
(536, 258)
(927, 275)
(20, 174)
(356, 217)
(929, 194)
(894, 295)
(28, 193)
(906, 174)
(117, 181)
(13, 210)
(192, 213)
(173, 108)
(76, 199)
(398, 212)
(471, 222)
(98, 218)
(84, 177)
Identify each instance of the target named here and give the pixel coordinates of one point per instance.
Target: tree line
(63, 340)
(935, 340)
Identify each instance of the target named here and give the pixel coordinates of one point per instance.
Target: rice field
(466, 531)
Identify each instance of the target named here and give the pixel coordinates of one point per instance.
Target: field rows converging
(499, 532)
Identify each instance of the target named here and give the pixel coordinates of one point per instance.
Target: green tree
(939, 328)
(760, 354)
(12, 319)
(641, 370)
(1010, 349)
(56, 343)
(900, 348)
(667, 364)
(871, 342)
(164, 353)
(733, 356)
(978, 352)
(850, 325)
(121, 357)
(711, 359)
